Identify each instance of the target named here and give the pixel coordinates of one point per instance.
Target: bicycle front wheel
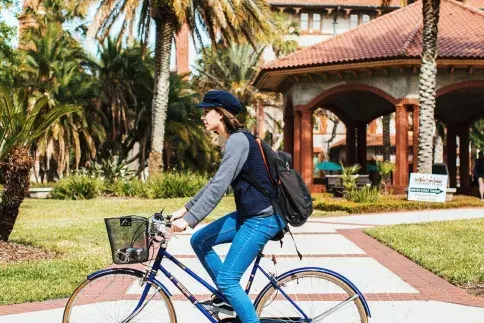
(313, 297)
(112, 298)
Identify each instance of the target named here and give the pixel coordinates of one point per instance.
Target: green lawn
(454, 250)
(75, 232)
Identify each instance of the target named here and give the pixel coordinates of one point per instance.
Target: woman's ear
(221, 115)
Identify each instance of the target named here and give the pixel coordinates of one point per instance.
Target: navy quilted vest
(248, 199)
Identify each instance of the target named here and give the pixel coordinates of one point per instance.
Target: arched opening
(328, 130)
(359, 108)
(459, 106)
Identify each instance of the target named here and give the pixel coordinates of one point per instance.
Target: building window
(353, 21)
(365, 19)
(304, 21)
(316, 22)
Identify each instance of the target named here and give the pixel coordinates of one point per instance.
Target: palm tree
(7, 53)
(187, 144)
(233, 68)
(125, 80)
(230, 68)
(233, 21)
(427, 82)
(55, 65)
(477, 134)
(22, 120)
(123, 77)
(387, 145)
(283, 42)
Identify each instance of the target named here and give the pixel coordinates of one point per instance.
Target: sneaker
(218, 305)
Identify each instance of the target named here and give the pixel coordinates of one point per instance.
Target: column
(289, 134)
(464, 170)
(307, 147)
(452, 154)
(297, 141)
(401, 172)
(350, 144)
(361, 137)
(182, 48)
(415, 136)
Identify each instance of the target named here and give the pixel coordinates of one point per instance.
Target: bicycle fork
(143, 302)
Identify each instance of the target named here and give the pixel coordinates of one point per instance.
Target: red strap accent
(264, 158)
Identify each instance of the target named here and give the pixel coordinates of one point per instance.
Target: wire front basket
(128, 237)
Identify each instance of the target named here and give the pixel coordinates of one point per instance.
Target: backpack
(293, 200)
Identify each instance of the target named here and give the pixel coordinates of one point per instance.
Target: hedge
(392, 203)
(167, 185)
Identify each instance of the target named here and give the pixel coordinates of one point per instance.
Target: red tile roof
(396, 35)
(475, 3)
(343, 3)
(375, 140)
(353, 3)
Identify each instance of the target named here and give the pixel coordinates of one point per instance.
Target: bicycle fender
(136, 272)
(321, 270)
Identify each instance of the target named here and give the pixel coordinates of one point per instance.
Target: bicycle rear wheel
(112, 297)
(320, 296)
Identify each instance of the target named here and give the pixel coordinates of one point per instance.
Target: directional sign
(427, 187)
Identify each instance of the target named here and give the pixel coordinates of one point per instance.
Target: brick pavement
(428, 287)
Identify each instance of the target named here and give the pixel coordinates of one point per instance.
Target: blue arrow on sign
(435, 191)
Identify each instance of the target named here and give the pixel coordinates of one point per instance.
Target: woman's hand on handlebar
(178, 225)
(178, 214)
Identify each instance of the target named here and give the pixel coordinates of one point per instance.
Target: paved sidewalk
(397, 289)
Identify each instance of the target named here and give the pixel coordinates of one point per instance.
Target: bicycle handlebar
(158, 226)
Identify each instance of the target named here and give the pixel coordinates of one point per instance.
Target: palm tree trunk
(427, 84)
(16, 170)
(164, 37)
(387, 145)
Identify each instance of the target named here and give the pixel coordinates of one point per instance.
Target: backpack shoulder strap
(249, 178)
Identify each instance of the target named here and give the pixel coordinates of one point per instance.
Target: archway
(356, 106)
(458, 106)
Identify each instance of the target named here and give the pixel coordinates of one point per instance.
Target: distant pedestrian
(479, 173)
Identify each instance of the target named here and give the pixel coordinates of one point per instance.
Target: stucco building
(373, 70)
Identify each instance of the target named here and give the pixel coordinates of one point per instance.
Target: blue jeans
(248, 237)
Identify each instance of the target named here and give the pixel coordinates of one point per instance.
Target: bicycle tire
(274, 307)
(117, 292)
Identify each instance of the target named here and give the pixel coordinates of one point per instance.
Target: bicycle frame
(162, 253)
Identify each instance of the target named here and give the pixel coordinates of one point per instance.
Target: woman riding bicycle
(253, 223)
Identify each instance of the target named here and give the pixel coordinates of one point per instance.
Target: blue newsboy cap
(221, 99)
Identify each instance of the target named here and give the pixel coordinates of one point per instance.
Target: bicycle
(109, 295)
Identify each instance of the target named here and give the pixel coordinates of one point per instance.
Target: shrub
(111, 169)
(77, 187)
(172, 184)
(386, 169)
(366, 194)
(126, 188)
(348, 176)
(166, 185)
(354, 193)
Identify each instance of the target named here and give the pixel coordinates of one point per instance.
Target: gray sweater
(234, 156)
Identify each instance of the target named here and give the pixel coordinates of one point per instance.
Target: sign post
(427, 187)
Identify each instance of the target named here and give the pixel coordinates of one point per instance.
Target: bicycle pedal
(217, 310)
